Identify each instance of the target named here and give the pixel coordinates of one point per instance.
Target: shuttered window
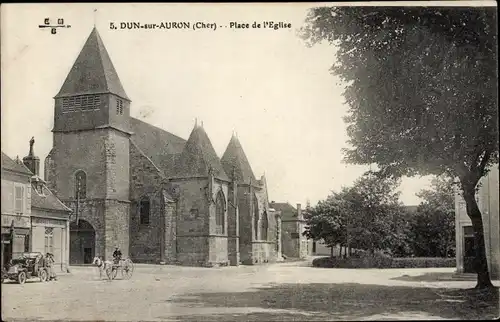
(19, 199)
(82, 102)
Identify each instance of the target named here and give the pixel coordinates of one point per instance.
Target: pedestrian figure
(50, 264)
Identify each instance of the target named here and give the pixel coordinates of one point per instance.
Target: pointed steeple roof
(235, 162)
(93, 72)
(198, 157)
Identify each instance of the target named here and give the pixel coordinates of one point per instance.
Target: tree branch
(484, 162)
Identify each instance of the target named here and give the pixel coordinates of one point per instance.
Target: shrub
(382, 261)
(421, 262)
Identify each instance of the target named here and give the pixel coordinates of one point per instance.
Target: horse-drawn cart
(125, 266)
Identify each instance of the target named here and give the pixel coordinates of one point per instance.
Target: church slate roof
(160, 146)
(235, 162)
(9, 164)
(198, 157)
(93, 72)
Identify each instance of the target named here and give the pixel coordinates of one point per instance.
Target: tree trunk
(331, 251)
(480, 261)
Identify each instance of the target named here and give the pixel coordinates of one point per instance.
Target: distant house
(294, 244)
(487, 198)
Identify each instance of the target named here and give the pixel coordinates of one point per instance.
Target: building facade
(16, 208)
(293, 225)
(49, 216)
(156, 196)
(38, 223)
(488, 202)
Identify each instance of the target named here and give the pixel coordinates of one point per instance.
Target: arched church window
(220, 210)
(264, 226)
(144, 211)
(256, 216)
(80, 185)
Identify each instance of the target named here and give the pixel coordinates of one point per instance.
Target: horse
(101, 265)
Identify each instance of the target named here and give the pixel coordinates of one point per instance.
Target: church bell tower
(90, 156)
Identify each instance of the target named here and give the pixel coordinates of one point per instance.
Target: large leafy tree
(359, 216)
(421, 90)
(432, 230)
(326, 221)
(372, 203)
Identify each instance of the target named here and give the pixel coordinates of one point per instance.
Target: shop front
(15, 237)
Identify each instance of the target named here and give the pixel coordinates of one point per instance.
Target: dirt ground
(274, 292)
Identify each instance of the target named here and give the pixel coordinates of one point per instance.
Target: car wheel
(21, 277)
(43, 275)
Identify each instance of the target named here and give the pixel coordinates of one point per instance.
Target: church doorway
(82, 243)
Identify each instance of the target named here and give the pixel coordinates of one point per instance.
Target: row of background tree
(369, 216)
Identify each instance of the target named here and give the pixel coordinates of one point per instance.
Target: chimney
(299, 211)
(31, 161)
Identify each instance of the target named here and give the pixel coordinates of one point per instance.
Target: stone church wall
(233, 227)
(192, 222)
(79, 150)
(218, 243)
(117, 227)
(145, 181)
(116, 146)
(218, 251)
(246, 224)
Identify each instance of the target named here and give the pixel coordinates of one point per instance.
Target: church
(156, 196)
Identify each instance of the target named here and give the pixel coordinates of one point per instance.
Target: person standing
(50, 266)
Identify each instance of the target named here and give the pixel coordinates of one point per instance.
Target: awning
(18, 231)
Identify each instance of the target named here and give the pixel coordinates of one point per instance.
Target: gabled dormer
(92, 95)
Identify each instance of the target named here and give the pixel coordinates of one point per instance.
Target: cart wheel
(43, 275)
(21, 277)
(128, 269)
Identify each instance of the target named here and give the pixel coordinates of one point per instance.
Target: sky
(265, 84)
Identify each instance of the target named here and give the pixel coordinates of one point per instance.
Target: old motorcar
(28, 265)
